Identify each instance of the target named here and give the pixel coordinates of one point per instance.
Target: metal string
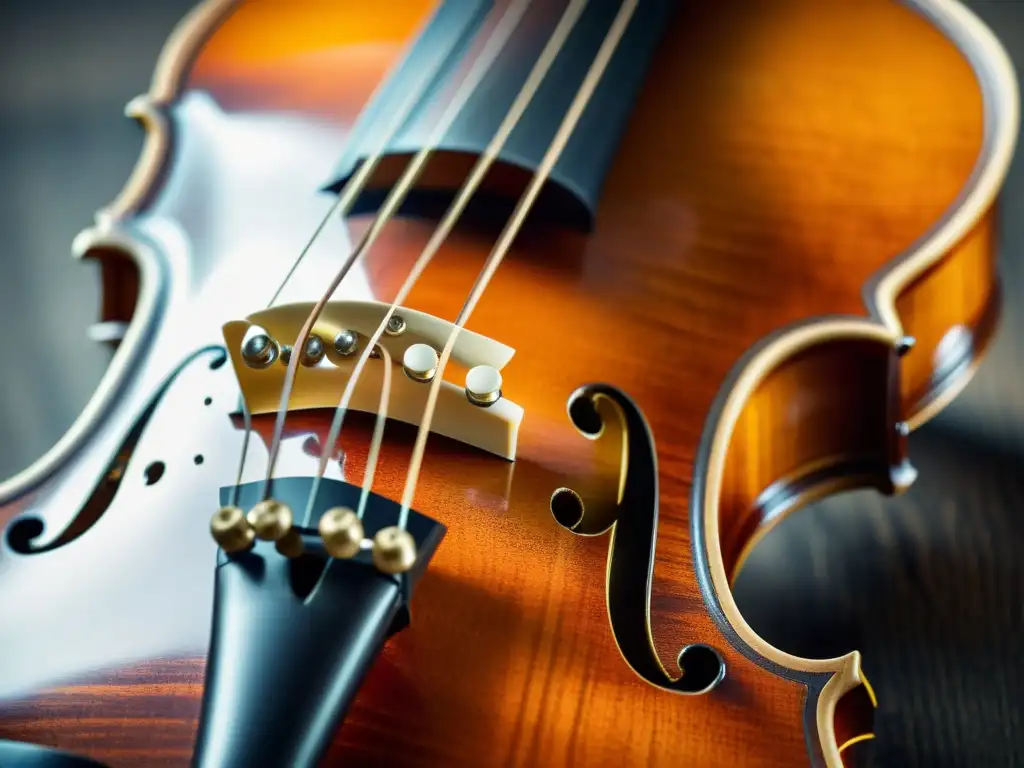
(247, 421)
(378, 436)
(356, 183)
(502, 33)
(440, 234)
(526, 202)
(352, 189)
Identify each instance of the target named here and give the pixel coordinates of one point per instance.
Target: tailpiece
(293, 638)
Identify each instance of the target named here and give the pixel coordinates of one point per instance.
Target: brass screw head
(395, 326)
(394, 550)
(290, 545)
(271, 520)
(231, 530)
(420, 362)
(483, 385)
(342, 532)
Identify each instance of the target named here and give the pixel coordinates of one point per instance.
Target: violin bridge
(475, 414)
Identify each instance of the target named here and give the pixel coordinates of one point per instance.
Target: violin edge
(726, 520)
(961, 241)
(178, 54)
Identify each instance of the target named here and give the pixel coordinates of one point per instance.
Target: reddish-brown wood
(776, 160)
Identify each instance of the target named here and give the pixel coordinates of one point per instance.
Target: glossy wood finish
(861, 447)
(775, 162)
(951, 311)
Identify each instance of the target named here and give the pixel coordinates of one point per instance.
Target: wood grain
(775, 161)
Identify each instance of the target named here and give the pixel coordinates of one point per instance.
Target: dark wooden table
(930, 586)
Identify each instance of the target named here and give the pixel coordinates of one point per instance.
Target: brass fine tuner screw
(394, 550)
(271, 520)
(290, 545)
(342, 532)
(231, 530)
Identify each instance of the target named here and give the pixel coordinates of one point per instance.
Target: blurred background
(929, 586)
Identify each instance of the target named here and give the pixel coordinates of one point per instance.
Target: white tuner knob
(483, 385)
(420, 362)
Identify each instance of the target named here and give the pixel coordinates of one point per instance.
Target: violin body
(799, 190)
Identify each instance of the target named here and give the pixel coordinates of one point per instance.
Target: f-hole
(628, 505)
(702, 668)
(24, 531)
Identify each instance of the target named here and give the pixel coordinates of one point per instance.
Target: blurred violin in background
(464, 351)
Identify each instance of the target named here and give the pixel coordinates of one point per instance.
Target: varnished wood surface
(716, 231)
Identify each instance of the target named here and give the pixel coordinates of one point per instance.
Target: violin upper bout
(951, 310)
(106, 242)
(944, 290)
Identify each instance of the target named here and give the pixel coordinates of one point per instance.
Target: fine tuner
(341, 532)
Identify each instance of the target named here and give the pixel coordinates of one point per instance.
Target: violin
(464, 351)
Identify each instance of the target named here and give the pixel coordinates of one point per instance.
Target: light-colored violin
(464, 350)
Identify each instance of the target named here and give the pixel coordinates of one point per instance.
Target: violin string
(358, 180)
(353, 187)
(378, 436)
(438, 237)
(496, 41)
(247, 423)
(375, 445)
(565, 130)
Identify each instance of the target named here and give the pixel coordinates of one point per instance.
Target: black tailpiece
(292, 640)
